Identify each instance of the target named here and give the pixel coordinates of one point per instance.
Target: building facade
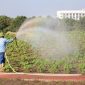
(72, 14)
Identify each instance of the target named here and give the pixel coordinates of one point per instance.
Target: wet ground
(25, 82)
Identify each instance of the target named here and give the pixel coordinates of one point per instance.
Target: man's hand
(14, 38)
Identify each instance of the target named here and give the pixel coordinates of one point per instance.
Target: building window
(73, 15)
(67, 14)
(76, 13)
(80, 14)
(83, 14)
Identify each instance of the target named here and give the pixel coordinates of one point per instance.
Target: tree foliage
(4, 22)
(82, 23)
(17, 23)
(13, 24)
(72, 24)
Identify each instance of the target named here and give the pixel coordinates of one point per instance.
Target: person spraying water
(3, 43)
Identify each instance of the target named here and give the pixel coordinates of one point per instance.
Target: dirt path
(44, 77)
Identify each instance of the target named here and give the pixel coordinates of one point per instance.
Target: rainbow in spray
(48, 36)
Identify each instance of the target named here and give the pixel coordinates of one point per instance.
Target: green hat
(1, 34)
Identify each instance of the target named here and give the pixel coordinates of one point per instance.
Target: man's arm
(9, 40)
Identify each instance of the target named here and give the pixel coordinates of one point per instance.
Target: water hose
(8, 59)
(9, 64)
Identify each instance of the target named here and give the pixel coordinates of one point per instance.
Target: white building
(74, 14)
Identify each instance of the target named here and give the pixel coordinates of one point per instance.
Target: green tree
(17, 23)
(4, 22)
(82, 23)
(70, 24)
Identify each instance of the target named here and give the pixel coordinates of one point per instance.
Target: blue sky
(29, 8)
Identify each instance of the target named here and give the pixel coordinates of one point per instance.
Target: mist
(48, 36)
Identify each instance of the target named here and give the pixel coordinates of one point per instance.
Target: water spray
(48, 36)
